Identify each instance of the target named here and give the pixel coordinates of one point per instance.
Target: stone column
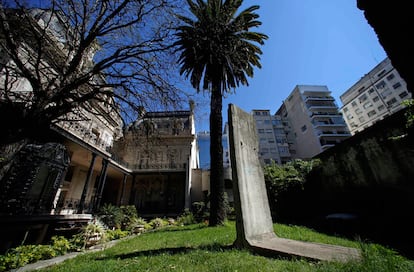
(187, 202)
(85, 187)
(124, 180)
(101, 184)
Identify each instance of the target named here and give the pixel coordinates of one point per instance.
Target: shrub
(111, 215)
(158, 223)
(137, 225)
(200, 211)
(187, 218)
(118, 217)
(92, 234)
(22, 255)
(281, 178)
(61, 245)
(116, 234)
(129, 217)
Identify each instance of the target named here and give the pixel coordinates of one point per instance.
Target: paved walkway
(46, 263)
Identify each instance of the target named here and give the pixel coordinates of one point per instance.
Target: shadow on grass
(175, 250)
(183, 228)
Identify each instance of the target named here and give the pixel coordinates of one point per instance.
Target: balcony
(319, 98)
(318, 107)
(339, 134)
(325, 144)
(334, 113)
(327, 123)
(161, 166)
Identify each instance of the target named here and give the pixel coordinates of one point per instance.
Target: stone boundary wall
(364, 186)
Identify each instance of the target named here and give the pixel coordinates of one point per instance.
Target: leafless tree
(60, 55)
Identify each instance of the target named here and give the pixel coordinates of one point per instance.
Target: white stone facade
(375, 96)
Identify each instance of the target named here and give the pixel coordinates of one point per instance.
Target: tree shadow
(215, 247)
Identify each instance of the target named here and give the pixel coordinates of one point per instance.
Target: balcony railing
(85, 134)
(334, 134)
(71, 206)
(315, 114)
(322, 107)
(319, 98)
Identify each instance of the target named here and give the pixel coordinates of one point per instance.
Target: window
(371, 113)
(279, 131)
(358, 111)
(389, 77)
(354, 104)
(263, 140)
(380, 74)
(271, 141)
(380, 85)
(345, 109)
(367, 105)
(265, 113)
(273, 150)
(353, 125)
(361, 119)
(276, 122)
(370, 91)
(386, 93)
(267, 122)
(261, 130)
(281, 139)
(257, 113)
(392, 101)
(362, 98)
(403, 94)
(283, 149)
(349, 116)
(303, 128)
(269, 130)
(375, 99)
(396, 85)
(380, 108)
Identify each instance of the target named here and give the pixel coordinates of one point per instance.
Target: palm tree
(217, 53)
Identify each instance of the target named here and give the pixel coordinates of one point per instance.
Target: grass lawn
(200, 248)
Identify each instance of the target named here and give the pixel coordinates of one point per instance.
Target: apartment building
(315, 120)
(375, 96)
(272, 136)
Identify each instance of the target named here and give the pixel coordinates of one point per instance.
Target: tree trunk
(217, 209)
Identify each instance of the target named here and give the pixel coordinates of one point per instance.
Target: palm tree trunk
(217, 211)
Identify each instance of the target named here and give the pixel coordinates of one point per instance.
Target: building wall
(315, 120)
(376, 95)
(272, 133)
(368, 176)
(307, 144)
(160, 149)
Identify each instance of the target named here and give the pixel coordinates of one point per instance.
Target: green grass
(200, 248)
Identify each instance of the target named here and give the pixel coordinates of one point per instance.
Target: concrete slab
(253, 218)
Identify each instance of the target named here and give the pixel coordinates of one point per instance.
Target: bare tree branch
(66, 54)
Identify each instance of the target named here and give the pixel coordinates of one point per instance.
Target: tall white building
(375, 96)
(315, 121)
(272, 135)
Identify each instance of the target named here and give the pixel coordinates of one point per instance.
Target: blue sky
(311, 42)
